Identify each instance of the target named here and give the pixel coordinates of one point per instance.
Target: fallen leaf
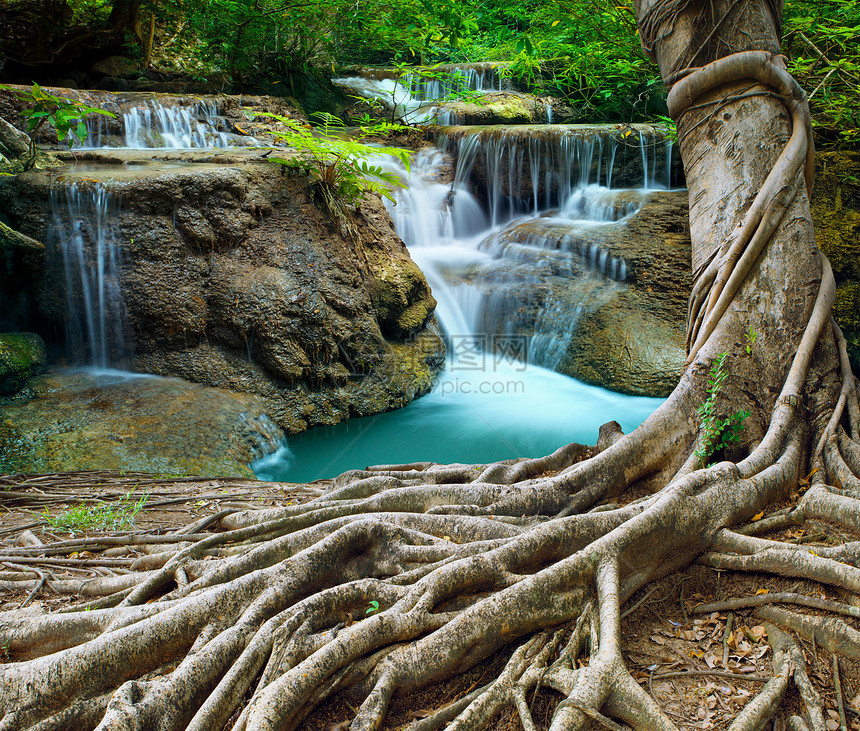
(420, 713)
(757, 516)
(761, 591)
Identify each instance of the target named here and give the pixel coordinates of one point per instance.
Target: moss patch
(511, 110)
(22, 355)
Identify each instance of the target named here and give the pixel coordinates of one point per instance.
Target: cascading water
(153, 125)
(412, 97)
(86, 238)
(393, 94)
(451, 80)
(510, 287)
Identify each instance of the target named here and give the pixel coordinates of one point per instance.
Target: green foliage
(584, 51)
(99, 517)
(64, 114)
(342, 168)
(822, 40)
(750, 337)
(717, 433)
(374, 607)
(670, 129)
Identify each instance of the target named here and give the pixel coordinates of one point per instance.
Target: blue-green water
(471, 417)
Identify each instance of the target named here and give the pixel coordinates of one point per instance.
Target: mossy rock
(512, 109)
(400, 294)
(22, 356)
(497, 108)
(78, 421)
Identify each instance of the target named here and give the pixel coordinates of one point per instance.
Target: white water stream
(83, 232)
(153, 125)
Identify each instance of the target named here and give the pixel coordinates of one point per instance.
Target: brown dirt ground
(669, 648)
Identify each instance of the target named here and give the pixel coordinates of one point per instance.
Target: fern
(341, 167)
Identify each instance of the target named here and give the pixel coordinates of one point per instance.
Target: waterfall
(86, 237)
(153, 125)
(454, 79)
(412, 96)
(526, 170)
(394, 94)
(513, 275)
(515, 266)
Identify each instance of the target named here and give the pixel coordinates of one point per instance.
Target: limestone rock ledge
(233, 278)
(80, 421)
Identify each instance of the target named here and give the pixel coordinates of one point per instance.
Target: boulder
(14, 143)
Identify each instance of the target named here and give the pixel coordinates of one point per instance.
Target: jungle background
(584, 51)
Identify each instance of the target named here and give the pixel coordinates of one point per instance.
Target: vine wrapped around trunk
(253, 626)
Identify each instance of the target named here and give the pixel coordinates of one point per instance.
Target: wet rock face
(634, 343)
(234, 279)
(76, 421)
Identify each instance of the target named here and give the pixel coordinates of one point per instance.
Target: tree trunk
(399, 576)
(125, 16)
